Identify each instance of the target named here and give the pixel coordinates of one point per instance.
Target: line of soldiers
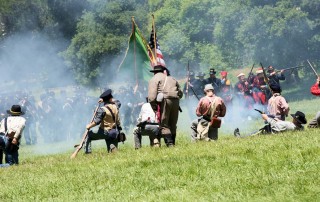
(51, 110)
(249, 91)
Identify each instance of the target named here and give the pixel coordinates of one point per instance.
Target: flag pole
(154, 38)
(134, 55)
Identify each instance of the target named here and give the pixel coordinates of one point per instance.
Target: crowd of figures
(250, 91)
(57, 117)
(49, 116)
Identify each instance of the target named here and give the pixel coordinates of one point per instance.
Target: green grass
(282, 167)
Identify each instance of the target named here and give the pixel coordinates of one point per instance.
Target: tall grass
(282, 167)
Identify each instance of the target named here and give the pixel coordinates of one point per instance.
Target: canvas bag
(204, 125)
(160, 95)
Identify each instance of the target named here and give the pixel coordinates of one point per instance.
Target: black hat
(106, 95)
(212, 71)
(275, 87)
(300, 117)
(158, 68)
(15, 110)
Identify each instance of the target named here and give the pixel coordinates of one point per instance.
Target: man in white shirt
(147, 126)
(11, 129)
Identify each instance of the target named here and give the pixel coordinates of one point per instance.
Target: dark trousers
(100, 134)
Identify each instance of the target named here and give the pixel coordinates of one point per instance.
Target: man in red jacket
(315, 90)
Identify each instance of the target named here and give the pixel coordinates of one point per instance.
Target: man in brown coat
(164, 94)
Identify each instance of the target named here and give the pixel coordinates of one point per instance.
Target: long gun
(250, 73)
(289, 68)
(84, 136)
(315, 72)
(266, 79)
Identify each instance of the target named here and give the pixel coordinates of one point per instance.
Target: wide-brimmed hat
(208, 87)
(212, 71)
(259, 71)
(106, 95)
(158, 68)
(241, 74)
(15, 110)
(300, 117)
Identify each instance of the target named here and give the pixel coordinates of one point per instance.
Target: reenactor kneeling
(209, 109)
(147, 126)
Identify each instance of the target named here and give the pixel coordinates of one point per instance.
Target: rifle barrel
(315, 72)
(285, 69)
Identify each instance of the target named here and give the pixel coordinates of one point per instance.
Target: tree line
(223, 34)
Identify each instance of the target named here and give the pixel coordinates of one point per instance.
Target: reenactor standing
(214, 81)
(164, 94)
(30, 110)
(315, 90)
(198, 84)
(243, 91)
(274, 77)
(191, 80)
(260, 88)
(226, 88)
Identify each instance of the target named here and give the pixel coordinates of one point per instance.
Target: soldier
(274, 77)
(226, 88)
(315, 90)
(108, 118)
(260, 88)
(276, 125)
(29, 108)
(214, 81)
(209, 107)
(243, 91)
(277, 105)
(164, 94)
(11, 129)
(147, 126)
(198, 84)
(190, 82)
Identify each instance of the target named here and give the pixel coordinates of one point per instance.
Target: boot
(87, 147)
(168, 140)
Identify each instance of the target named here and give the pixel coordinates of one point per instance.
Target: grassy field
(283, 167)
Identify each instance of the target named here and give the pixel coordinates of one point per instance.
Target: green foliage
(280, 33)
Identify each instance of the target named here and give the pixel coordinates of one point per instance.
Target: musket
(266, 79)
(84, 136)
(250, 72)
(289, 68)
(315, 72)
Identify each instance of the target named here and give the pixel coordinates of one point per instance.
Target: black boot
(168, 140)
(87, 146)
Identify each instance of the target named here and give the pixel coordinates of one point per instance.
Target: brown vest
(108, 122)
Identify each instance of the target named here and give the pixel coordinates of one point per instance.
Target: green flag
(136, 65)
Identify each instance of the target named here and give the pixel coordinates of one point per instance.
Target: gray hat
(200, 74)
(208, 87)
